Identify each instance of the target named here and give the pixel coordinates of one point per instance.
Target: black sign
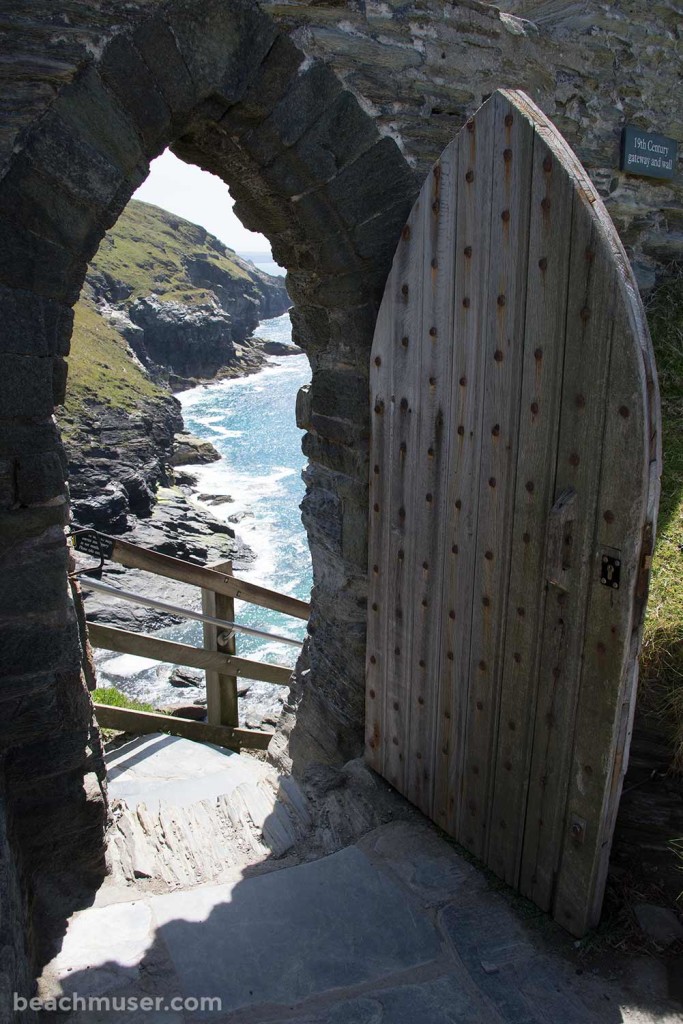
(645, 153)
(92, 543)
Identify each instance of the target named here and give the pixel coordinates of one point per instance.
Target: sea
(251, 422)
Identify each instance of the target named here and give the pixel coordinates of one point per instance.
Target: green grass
(113, 698)
(662, 654)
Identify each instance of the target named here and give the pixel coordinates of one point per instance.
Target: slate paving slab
(444, 1001)
(283, 937)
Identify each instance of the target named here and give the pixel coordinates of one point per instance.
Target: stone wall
(323, 119)
(422, 67)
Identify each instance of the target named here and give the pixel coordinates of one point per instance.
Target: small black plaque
(647, 154)
(610, 572)
(92, 543)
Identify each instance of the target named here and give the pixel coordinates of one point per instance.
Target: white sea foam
(125, 666)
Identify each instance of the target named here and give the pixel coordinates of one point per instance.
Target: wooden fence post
(221, 689)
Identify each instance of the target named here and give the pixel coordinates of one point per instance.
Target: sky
(200, 197)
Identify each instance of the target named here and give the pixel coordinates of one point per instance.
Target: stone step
(186, 814)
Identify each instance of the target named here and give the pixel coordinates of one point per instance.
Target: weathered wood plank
(474, 184)
(221, 687)
(399, 516)
(504, 344)
(152, 721)
(123, 641)
(378, 535)
(134, 557)
(551, 200)
(606, 699)
(580, 450)
(429, 521)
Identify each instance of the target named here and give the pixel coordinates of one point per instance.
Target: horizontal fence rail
(174, 609)
(134, 557)
(204, 732)
(110, 638)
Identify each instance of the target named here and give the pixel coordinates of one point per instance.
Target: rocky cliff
(181, 299)
(164, 303)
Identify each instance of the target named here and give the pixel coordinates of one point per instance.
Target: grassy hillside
(662, 657)
(101, 370)
(146, 248)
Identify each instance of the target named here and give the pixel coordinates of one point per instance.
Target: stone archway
(231, 92)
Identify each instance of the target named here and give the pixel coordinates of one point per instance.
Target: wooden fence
(218, 657)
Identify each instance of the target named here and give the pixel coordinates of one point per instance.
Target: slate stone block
(440, 1001)
(376, 239)
(24, 720)
(35, 199)
(59, 806)
(38, 645)
(478, 932)
(222, 44)
(274, 78)
(35, 264)
(33, 574)
(18, 524)
(33, 324)
(156, 44)
(25, 687)
(340, 392)
(364, 188)
(331, 923)
(355, 537)
(60, 373)
(311, 95)
(334, 428)
(337, 457)
(339, 137)
(39, 478)
(25, 386)
(61, 753)
(89, 174)
(303, 407)
(126, 74)
(96, 121)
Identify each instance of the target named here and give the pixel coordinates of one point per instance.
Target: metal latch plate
(610, 572)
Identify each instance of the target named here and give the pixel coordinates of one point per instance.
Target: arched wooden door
(514, 473)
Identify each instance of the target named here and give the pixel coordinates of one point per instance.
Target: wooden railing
(218, 657)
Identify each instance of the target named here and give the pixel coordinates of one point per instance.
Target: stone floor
(395, 928)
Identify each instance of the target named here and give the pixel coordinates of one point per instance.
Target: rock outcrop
(178, 295)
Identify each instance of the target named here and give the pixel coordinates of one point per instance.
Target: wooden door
(514, 471)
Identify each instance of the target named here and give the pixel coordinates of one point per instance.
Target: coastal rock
(185, 678)
(118, 458)
(191, 711)
(191, 341)
(177, 527)
(189, 450)
(279, 348)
